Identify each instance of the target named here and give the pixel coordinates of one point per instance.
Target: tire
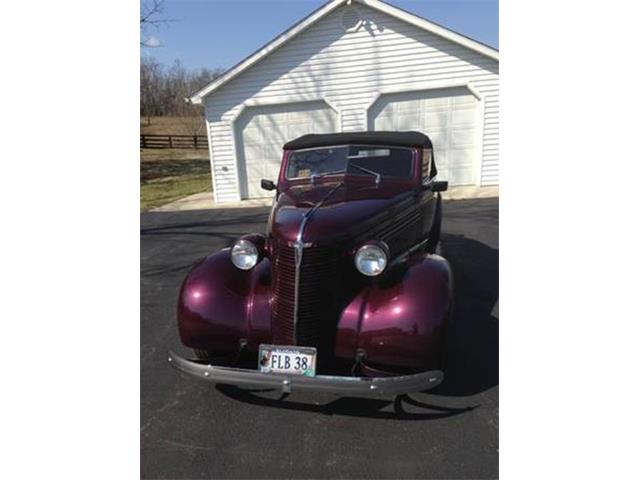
(211, 357)
(434, 233)
(202, 354)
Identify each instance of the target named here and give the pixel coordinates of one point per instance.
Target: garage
(351, 66)
(261, 132)
(448, 116)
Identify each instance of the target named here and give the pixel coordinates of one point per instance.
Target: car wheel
(213, 358)
(434, 233)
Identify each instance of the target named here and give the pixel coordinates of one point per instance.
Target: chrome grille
(316, 295)
(284, 284)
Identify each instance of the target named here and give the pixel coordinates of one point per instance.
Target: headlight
(244, 255)
(371, 260)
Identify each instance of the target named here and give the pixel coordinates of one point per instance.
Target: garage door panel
(274, 132)
(252, 151)
(407, 106)
(462, 137)
(261, 120)
(442, 161)
(272, 152)
(460, 176)
(407, 122)
(277, 138)
(464, 100)
(437, 103)
(254, 171)
(255, 168)
(436, 120)
(385, 123)
(262, 131)
(254, 133)
(461, 157)
(463, 116)
(299, 130)
(448, 116)
(439, 140)
(300, 117)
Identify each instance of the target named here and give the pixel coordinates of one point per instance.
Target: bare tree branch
(163, 90)
(151, 17)
(148, 10)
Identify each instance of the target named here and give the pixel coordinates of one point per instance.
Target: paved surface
(193, 429)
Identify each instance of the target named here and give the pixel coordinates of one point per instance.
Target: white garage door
(261, 132)
(447, 116)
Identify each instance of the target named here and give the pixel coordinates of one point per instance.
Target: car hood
(348, 210)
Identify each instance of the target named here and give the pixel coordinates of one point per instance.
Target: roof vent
(350, 19)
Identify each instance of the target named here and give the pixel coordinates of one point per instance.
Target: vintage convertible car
(344, 293)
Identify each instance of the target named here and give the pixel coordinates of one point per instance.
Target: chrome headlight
(244, 255)
(371, 260)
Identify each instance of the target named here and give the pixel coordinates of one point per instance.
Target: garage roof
(325, 10)
(391, 139)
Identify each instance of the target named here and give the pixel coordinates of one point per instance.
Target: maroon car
(344, 293)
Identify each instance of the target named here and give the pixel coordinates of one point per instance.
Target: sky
(217, 34)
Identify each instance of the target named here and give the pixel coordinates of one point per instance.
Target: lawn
(169, 174)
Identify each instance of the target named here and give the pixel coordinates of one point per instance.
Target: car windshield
(395, 162)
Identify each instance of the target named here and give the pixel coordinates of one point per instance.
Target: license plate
(287, 359)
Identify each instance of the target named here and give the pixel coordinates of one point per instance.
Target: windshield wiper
(378, 176)
(366, 170)
(315, 177)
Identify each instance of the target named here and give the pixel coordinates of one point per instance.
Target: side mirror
(267, 184)
(440, 186)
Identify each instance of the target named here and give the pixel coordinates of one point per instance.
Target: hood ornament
(297, 250)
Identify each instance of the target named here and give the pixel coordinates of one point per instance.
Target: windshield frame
(285, 164)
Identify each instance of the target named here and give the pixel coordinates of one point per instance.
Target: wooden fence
(174, 141)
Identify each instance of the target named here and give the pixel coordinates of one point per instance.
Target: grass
(170, 174)
(172, 154)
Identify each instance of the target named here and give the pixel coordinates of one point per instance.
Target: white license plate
(287, 359)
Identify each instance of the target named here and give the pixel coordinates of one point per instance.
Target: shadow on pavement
(472, 344)
(352, 407)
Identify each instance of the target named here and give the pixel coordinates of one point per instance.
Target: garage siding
(349, 70)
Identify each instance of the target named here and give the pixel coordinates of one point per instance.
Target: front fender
(399, 321)
(220, 304)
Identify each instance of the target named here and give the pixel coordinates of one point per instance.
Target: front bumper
(343, 386)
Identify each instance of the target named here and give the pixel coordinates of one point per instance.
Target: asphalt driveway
(193, 429)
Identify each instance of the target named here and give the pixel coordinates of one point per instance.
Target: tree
(163, 92)
(150, 88)
(151, 17)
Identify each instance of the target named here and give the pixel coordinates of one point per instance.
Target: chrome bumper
(343, 386)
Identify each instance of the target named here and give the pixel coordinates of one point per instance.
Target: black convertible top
(390, 139)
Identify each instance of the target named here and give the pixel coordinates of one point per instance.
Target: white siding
(350, 71)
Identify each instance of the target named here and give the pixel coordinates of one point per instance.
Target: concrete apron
(204, 201)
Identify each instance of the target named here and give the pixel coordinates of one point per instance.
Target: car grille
(316, 296)
(326, 283)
